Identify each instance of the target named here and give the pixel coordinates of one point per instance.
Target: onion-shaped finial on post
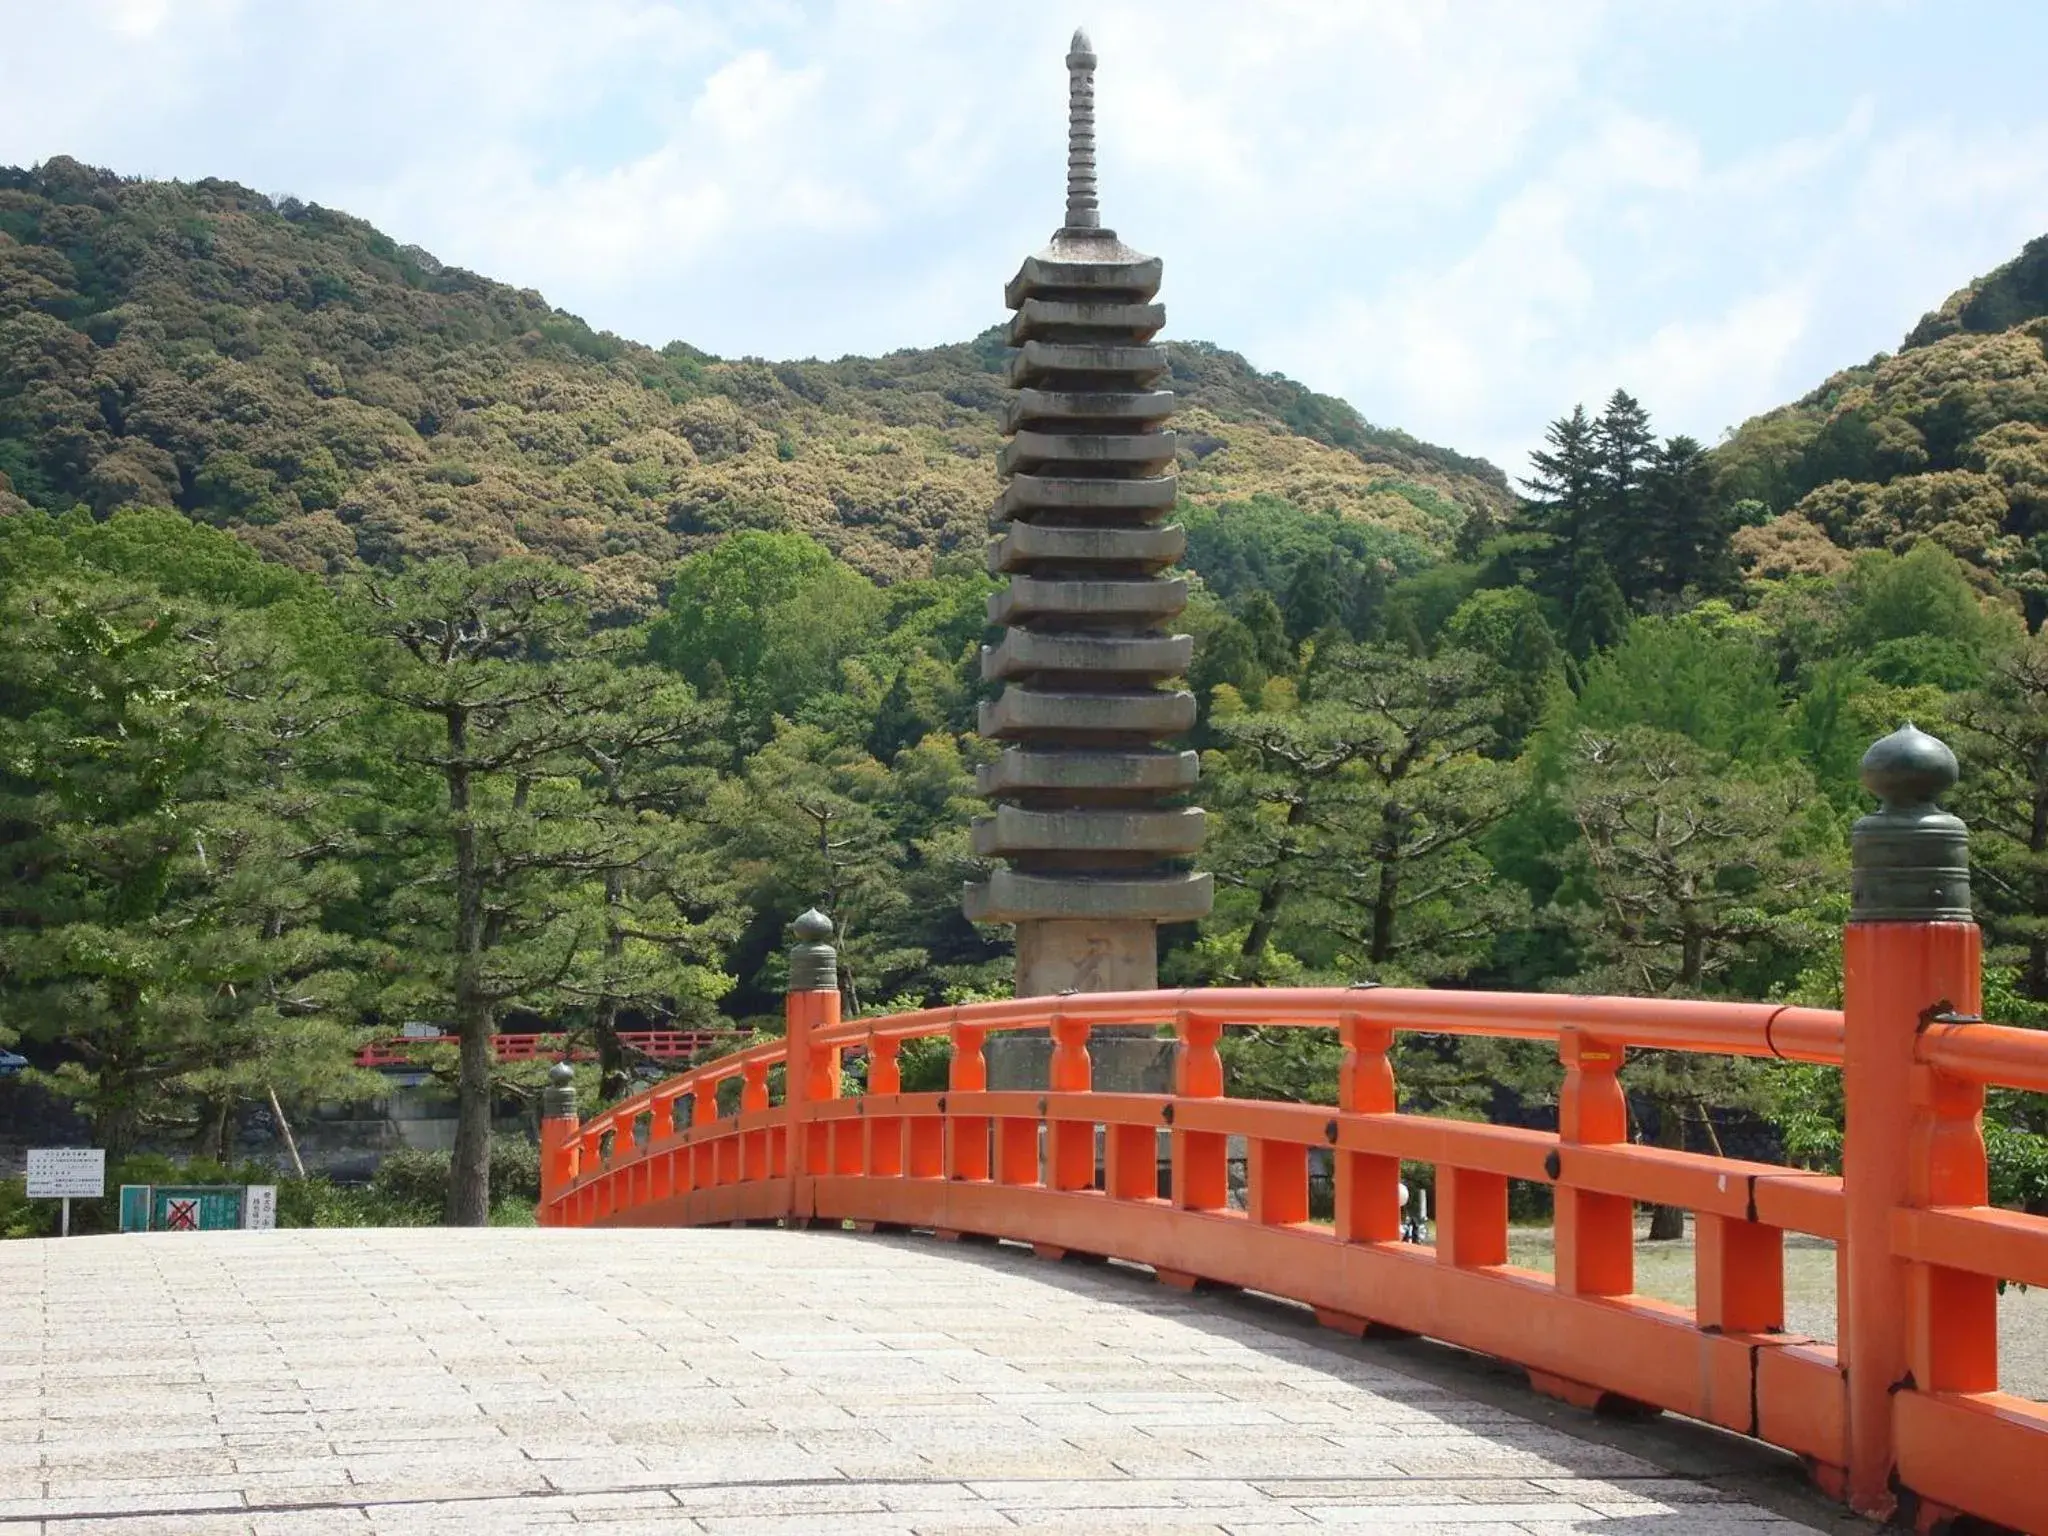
(558, 1099)
(1909, 860)
(813, 962)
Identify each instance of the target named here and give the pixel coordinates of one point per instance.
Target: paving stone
(390, 1382)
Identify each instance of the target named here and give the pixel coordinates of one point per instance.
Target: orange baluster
(884, 1141)
(1471, 1218)
(753, 1087)
(967, 1151)
(1738, 1275)
(1071, 1150)
(884, 1075)
(1368, 1199)
(1276, 1182)
(1201, 1171)
(1596, 1234)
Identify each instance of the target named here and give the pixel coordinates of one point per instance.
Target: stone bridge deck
(769, 1381)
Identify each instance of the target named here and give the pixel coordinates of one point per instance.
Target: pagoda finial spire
(1083, 211)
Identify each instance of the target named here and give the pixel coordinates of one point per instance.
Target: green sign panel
(196, 1207)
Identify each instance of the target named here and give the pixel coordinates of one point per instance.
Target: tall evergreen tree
(668, 903)
(1699, 882)
(1628, 536)
(1564, 501)
(168, 861)
(1262, 617)
(1597, 612)
(1690, 530)
(2003, 793)
(495, 688)
(1314, 600)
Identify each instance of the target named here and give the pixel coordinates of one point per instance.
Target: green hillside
(336, 399)
(1946, 441)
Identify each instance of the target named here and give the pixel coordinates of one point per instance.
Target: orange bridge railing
(1901, 1414)
(1070, 1169)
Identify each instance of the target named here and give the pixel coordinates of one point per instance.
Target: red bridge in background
(660, 1044)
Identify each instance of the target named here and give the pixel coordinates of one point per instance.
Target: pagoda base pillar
(1086, 955)
(1120, 1061)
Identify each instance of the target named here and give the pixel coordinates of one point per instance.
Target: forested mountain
(292, 374)
(1945, 441)
(379, 644)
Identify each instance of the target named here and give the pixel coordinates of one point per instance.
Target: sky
(1463, 216)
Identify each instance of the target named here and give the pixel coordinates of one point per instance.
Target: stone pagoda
(1088, 798)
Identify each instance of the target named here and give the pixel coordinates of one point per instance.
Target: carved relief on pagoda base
(1086, 955)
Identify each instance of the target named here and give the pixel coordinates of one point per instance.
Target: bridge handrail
(1784, 1031)
(1699, 1026)
(1995, 1055)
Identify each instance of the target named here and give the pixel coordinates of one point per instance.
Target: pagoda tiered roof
(1088, 791)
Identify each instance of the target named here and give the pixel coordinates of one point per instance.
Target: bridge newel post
(810, 1072)
(1910, 1136)
(560, 1132)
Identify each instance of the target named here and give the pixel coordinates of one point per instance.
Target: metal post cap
(558, 1099)
(1909, 859)
(813, 962)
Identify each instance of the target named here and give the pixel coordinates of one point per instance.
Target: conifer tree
(169, 860)
(1627, 534)
(1699, 882)
(1564, 504)
(1690, 531)
(496, 689)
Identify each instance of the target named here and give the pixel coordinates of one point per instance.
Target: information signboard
(67, 1173)
(259, 1207)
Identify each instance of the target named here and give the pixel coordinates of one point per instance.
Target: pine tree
(168, 857)
(1598, 614)
(1701, 881)
(1690, 545)
(495, 687)
(1564, 504)
(898, 722)
(1628, 535)
(1355, 815)
(668, 903)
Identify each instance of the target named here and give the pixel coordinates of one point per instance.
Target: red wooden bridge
(1901, 1413)
(658, 1044)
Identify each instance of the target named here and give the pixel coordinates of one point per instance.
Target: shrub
(417, 1181)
